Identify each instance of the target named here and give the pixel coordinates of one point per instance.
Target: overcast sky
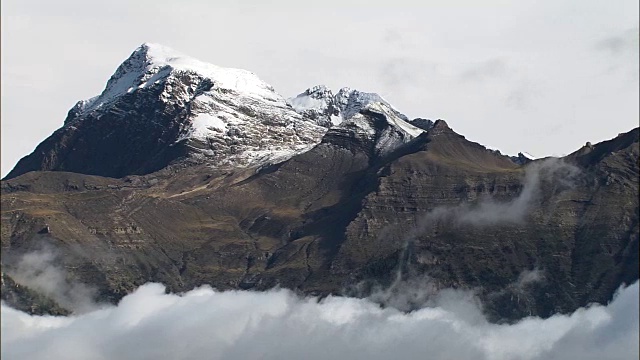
(537, 76)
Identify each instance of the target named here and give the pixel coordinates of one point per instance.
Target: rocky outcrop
(326, 109)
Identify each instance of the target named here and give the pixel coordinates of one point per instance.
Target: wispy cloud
(40, 271)
(622, 52)
(489, 212)
(396, 38)
(620, 44)
(406, 73)
(485, 70)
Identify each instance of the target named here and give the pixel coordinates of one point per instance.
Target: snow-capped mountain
(160, 106)
(351, 199)
(230, 114)
(365, 117)
(152, 64)
(326, 109)
(319, 104)
(377, 127)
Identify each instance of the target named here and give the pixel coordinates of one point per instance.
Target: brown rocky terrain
(185, 173)
(341, 218)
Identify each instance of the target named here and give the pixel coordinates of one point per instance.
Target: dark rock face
(521, 159)
(424, 124)
(344, 217)
(133, 136)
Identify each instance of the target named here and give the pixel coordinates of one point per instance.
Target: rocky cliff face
(161, 107)
(320, 105)
(374, 201)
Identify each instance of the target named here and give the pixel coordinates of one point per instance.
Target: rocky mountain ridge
(180, 109)
(163, 103)
(326, 109)
(187, 178)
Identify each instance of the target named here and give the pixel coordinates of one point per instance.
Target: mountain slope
(343, 218)
(189, 174)
(160, 106)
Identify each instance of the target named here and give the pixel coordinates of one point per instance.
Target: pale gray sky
(537, 76)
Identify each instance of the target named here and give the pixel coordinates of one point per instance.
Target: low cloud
(527, 278)
(409, 291)
(40, 271)
(557, 174)
(418, 292)
(490, 212)
(206, 324)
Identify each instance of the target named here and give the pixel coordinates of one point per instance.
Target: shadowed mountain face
(375, 203)
(113, 143)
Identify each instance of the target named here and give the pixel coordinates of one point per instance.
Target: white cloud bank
(206, 324)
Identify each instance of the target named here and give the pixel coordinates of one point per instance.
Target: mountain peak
(149, 51)
(155, 50)
(159, 101)
(320, 104)
(318, 91)
(440, 126)
(149, 54)
(151, 64)
(161, 106)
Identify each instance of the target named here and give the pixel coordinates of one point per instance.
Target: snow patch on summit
(150, 64)
(393, 119)
(238, 80)
(203, 124)
(229, 117)
(304, 103)
(345, 109)
(320, 104)
(226, 117)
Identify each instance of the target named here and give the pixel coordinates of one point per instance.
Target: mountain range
(186, 173)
